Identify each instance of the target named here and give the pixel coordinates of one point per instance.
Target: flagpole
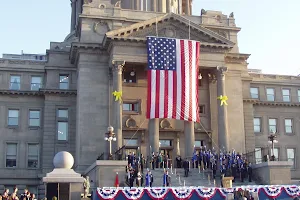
(189, 29)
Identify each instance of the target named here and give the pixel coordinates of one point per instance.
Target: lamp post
(110, 136)
(272, 140)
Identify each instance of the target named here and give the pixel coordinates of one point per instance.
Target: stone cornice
(20, 92)
(41, 92)
(143, 40)
(238, 58)
(57, 91)
(79, 47)
(221, 27)
(21, 65)
(273, 77)
(269, 103)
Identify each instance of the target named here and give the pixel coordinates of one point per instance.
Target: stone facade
(76, 105)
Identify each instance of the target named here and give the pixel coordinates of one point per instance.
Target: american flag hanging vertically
(173, 79)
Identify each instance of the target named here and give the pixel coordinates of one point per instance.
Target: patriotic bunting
(206, 193)
(182, 193)
(157, 192)
(107, 193)
(185, 193)
(133, 193)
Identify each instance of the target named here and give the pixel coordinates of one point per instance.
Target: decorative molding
(41, 92)
(130, 123)
(165, 124)
(268, 103)
(212, 77)
(101, 23)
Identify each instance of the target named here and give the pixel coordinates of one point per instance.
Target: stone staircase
(204, 178)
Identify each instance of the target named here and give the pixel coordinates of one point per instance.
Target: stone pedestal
(63, 182)
(102, 173)
(272, 173)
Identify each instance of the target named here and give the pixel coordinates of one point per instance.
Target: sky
(270, 28)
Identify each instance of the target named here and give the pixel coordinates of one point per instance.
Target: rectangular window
(131, 107)
(291, 156)
(129, 76)
(298, 95)
(13, 117)
(131, 142)
(11, 155)
(272, 125)
(62, 129)
(165, 143)
(257, 124)
(199, 143)
(62, 124)
(36, 83)
(15, 82)
(288, 123)
(270, 94)
(202, 109)
(276, 153)
(64, 82)
(254, 92)
(286, 95)
(258, 155)
(34, 118)
(33, 156)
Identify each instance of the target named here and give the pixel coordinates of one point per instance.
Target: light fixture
(200, 76)
(110, 129)
(132, 73)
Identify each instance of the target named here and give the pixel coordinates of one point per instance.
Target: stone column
(187, 7)
(138, 5)
(222, 111)
(168, 6)
(189, 134)
(153, 128)
(178, 144)
(117, 105)
(179, 7)
(73, 15)
(154, 5)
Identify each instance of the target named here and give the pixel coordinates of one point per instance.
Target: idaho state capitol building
(66, 104)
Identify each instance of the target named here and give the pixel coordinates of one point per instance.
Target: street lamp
(272, 140)
(110, 136)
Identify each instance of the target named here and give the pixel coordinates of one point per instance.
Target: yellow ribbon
(223, 100)
(117, 95)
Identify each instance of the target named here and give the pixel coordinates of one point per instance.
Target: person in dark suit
(249, 170)
(186, 167)
(178, 161)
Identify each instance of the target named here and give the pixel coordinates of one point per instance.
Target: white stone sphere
(64, 160)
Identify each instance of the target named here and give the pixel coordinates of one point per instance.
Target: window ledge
(12, 127)
(130, 113)
(290, 134)
(32, 168)
(11, 167)
(34, 127)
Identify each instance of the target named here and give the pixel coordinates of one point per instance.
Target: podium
(227, 182)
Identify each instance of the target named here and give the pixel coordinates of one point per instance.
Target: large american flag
(173, 79)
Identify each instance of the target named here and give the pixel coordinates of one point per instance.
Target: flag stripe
(166, 95)
(182, 72)
(173, 79)
(197, 81)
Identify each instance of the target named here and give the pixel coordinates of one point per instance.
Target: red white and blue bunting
(133, 193)
(182, 193)
(206, 193)
(157, 192)
(108, 193)
(185, 193)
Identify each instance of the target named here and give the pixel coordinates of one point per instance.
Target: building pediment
(169, 25)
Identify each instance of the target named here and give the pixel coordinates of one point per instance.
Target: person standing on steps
(148, 178)
(166, 179)
(250, 172)
(186, 167)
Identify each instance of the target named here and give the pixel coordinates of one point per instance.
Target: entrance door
(169, 153)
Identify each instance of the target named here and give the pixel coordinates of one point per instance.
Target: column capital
(212, 77)
(118, 66)
(222, 70)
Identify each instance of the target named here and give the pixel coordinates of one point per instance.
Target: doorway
(168, 152)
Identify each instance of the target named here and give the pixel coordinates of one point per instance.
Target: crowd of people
(26, 195)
